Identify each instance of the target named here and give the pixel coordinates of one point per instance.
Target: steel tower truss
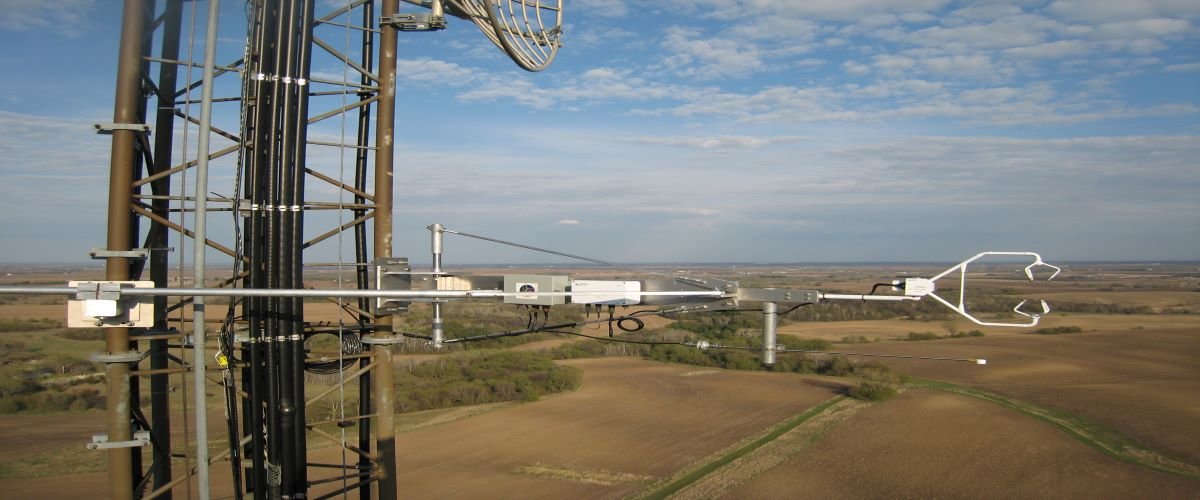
(280, 206)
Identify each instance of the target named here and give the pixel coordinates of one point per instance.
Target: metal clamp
(136, 253)
(779, 295)
(388, 340)
(117, 357)
(108, 128)
(101, 442)
(720, 305)
(414, 22)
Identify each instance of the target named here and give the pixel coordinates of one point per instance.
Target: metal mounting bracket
(389, 340)
(414, 22)
(117, 357)
(392, 274)
(108, 128)
(778, 295)
(137, 253)
(101, 442)
(720, 305)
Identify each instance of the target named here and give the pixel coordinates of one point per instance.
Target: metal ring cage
(529, 31)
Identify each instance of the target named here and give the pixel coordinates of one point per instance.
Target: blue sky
(706, 130)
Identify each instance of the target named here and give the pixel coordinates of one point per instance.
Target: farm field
(927, 444)
(1144, 383)
(633, 421)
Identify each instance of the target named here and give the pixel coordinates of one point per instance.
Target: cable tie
(283, 208)
(260, 76)
(254, 206)
(296, 208)
(301, 81)
(268, 207)
(287, 80)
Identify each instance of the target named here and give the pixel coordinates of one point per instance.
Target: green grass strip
(1099, 437)
(708, 468)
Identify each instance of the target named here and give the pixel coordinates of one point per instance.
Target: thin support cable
(189, 450)
(554, 252)
(340, 259)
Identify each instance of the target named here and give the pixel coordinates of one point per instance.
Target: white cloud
(603, 8)
(838, 10)
(568, 222)
(513, 91)
(63, 17)
(1107, 10)
(963, 65)
(425, 69)
(708, 57)
(715, 142)
(1179, 68)
(1050, 50)
(1012, 31)
(893, 64)
(855, 68)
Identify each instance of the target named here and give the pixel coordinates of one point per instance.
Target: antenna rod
(198, 249)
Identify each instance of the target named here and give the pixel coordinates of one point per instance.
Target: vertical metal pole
(384, 391)
(361, 158)
(120, 191)
(156, 239)
(436, 234)
(770, 321)
(198, 248)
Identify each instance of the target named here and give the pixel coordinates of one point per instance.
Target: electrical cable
(877, 285)
(615, 339)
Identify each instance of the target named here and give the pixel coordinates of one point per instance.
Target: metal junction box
(610, 293)
(528, 286)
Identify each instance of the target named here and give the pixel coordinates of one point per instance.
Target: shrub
(915, 336)
(476, 377)
(1058, 329)
(837, 366)
(972, 333)
(877, 384)
(809, 344)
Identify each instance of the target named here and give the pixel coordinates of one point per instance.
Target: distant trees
(471, 378)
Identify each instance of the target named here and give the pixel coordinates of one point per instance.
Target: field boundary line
(1103, 439)
(738, 452)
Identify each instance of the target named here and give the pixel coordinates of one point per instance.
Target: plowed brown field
(632, 421)
(1142, 383)
(928, 444)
